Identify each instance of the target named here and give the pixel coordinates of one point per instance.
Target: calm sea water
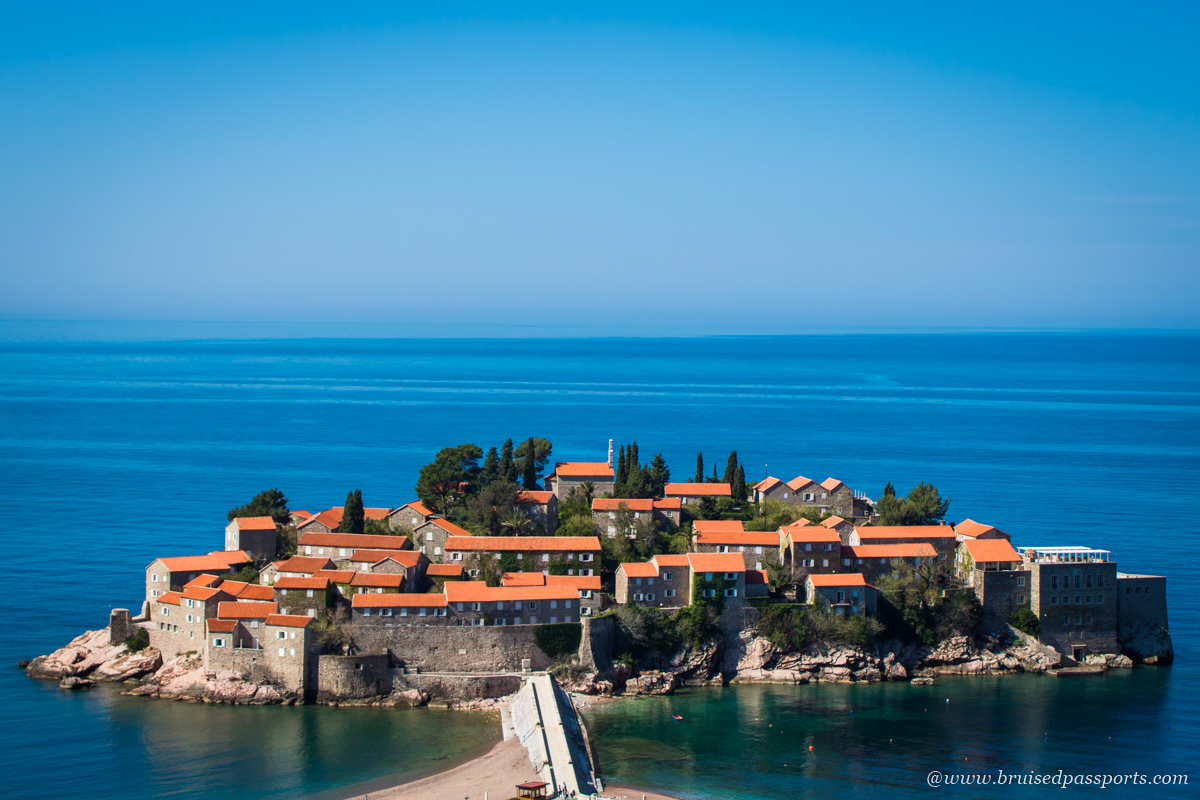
(114, 452)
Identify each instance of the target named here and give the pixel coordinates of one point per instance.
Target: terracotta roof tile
(583, 469)
(302, 583)
(831, 484)
(222, 625)
(811, 534)
(698, 490)
(255, 523)
(254, 592)
(615, 503)
(916, 550)
(639, 569)
(398, 601)
(579, 582)
(219, 561)
(336, 575)
(478, 591)
(830, 522)
(716, 562)
(305, 564)
(408, 558)
(245, 610)
(535, 498)
(202, 580)
(842, 579)
(882, 532)
(444, 570)
(985, 550)
(678, 560)
(799, 482)
(669, 504)
(289, 621)
(202, 593)
(377, 579)
(756, 577)
(718, 526)
(170, 598)
(766, 484)
(355, 540)
(522, 579)
(739, 539)
(548, 544)
(449, 527)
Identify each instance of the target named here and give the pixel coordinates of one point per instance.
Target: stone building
(170, 574)
(690, 494)
(577, 555)
(430, 538)
(873, 560)
(409, 516)
(304, 597)
(294, 567)
(399, 609)
(843, 527)
(757, 548)
(471, 603)
(254, 535)
(671, 581)
(573, 474)
(844, 594)
(178, 619)
(830, 496)
(284, 651)
(809, 549)
(591, 600)
(666, 513)
(341, 547)
(542, 508)
(252, 616)
(941, 537)
(329, 520)
(994, 570)
(1073, 591)
(970, 529)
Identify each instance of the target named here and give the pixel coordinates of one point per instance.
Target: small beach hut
(535, 789)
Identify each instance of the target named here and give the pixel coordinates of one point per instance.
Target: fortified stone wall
(120, 626)
(437, 648)
(457, 687)
(1142, 599)
(352, 677)
(597, 643)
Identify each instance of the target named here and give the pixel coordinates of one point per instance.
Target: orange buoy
(810, 747)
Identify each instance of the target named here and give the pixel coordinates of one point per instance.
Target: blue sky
(626, 168)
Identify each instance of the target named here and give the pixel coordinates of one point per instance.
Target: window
(189, 617)
(532, 606)
(218, 642)
(291, 651)
(280, 634)
(710, 592)
(1087, 619)
(1077, 598)
(585, 557)
(586, 594)
(1099, 598)
(424, 612)
(166, 611)
(456, 556)
(649, 598)
(191, 604)
(439, 612)
(383, 612)
(154, 592)
(310, 593)
(404, 612)
(1128, 590)
(1087, 599)
(731, 592)
(1088, 582)
(1020, 580)
(669, 593)
(1053, 581)
(516, 620)
(341, 552)
(1053, 599)
(429, 536)
(824, 562)
(1078, 619)
(545, 556)
(666, 576)
(708, 576)
(554, 604)
(366, 612)
(281, 652)
(758, 551)
(553, 619)
(1066, 620)
(731, 576)
(154, 579)
(828, 547)
(808, 547)
(437, 551)
(477, 606)
(566, 604)
(1077, 580)
(307, 550)
(1100, 581)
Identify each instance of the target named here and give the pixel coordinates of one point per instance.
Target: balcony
(1064, 555)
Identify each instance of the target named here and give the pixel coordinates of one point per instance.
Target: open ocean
(115, 450)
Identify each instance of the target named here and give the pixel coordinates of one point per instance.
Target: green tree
(924, 506)
(660, 475)
(889, 508)
(741, 492)
(517, 524)
(269, 503)
(440, 484)
(353, 517)
(577, 525)
(1026, 621)
(731, 466)
(508, 469)
(492, 505)
(491, 468)
(620, 474)
(533, 454)
(699, 467)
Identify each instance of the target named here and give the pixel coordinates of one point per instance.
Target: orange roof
(756, 577)
(354, 540)
(289, 621)
(811, 533)
(245, 610)
(171, 598)
(716, 562)
(583, 469)
(537, 498)
(218, 561)
(615, 503)
(984, 550)
(549, 544)
(830, 522)
(915, 550)
(478, 591)
(669, 504)
(905, 532)
(255, 523)
(406, 557)
(800, 523)
(698, 490)
(971, 529)
(680, 560)
(522, 579)
(767, 484)
(831, 484)
(449, 527)
(740, 538)
(579, 582)
(233, 588)
(718, 526)
(418, 506)
(302, 583)
(444, 570)
(222, 625)
(799, 482)
(202, 593)
(639, 569)
(254, 592)
(398, 601)
(202, 580)
(307, 565)
(843, 579)
(336, 575)
(332, 517)
(377, 579)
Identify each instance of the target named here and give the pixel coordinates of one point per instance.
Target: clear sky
(659, 169)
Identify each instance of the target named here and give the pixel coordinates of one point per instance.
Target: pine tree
(660, 475)
(353, 517)
(632, 462)
(741, 492)
(889, 490)
(529, 478)
(619, 476)
(699, 467)
(491, 468)
(730, 467)
(508, 470)
(713, 479)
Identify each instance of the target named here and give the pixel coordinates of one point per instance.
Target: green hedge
(558, 638)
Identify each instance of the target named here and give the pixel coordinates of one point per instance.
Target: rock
(1121, 662)
(654, 682)
(129, 666)
(922, 681)
(1145, 643)
(23, 664)
(75, 684)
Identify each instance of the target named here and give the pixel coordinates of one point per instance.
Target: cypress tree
(353, 518)
(889, 490)
(741, 492)
(491, 468)
(730, 467)
(699, 467)
(619, 478)
(529, 479)
(714, 477)
(632, 465)
(508, 470)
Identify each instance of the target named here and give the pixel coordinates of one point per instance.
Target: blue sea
(122, 443)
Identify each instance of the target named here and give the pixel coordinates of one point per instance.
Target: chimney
(610, 452)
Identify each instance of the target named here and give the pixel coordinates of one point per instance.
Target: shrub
(783, 626)
(1026, 621)
(694, 624)
(558, 638)
(139, 641)
(643, 630)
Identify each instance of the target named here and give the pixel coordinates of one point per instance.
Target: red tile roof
(830, 522)
(522, 579)
(332, 517)
(478, 591)
(669, 504)
(302, 583)
(535, 498)
(766, 484)
(354, 541)
(799, 482)
(408, 558)
(305, 564)
(377, 579)
(739, 539)
(842, 579)
(615, 503)
(398, 601)
(219, 561)
(677, 560)
(202, 593)
(582, 469)
(202, 580)
(444, 570)
(915, 550)
(246, 610)
(831, 484)
(638, 569)
(971, 529)
(170, 598)
(255, 523)
(800, 523)
(289, 621)
(579, 582)
(698, 490)
(756, 577)
(449, 527)
(548, 544)
(336, 575)
(416, 505)
(254, 592)
(222, 625)
(716, 562)
(812, 534)
(718, 526)
(985, 550)
(940, 532)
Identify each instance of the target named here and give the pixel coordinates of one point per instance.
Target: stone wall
(352, 677)
(597, 643)
(1142, 599)
(120, 626)
(431, 648)
(1001, 593)
(457, 687)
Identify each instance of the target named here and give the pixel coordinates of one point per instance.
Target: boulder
(129, 666)
(654, 682)
(75, 684)
(922, 681)
(1145, 643)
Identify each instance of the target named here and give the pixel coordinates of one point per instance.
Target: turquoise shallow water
(114, 452)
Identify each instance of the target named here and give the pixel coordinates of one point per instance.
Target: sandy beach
(496, 772)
